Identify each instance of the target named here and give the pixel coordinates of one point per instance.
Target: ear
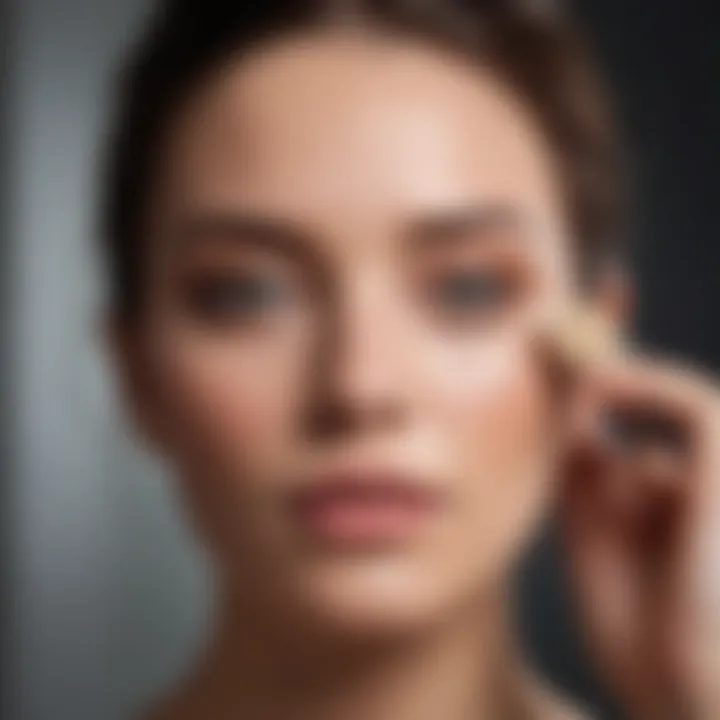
(613, 297)
(138, 390)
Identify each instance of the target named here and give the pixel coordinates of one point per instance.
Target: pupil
(250, 294)
(467, 290)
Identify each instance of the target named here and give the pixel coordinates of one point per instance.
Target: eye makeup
(469, 281)
(474, 289)
(227, 297)
(240, 290)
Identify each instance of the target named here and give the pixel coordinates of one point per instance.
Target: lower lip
(363, 521)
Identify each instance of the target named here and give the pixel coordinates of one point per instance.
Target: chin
(368, 597)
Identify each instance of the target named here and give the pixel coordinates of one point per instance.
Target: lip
(364, 507)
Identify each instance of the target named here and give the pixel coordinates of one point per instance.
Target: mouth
(364, 508)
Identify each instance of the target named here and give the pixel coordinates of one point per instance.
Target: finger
(660, 390)
(674, 548)
(691, 556)
(615, 538)
(659, 421)
(580, 346)
(690, 402)
(697, 572)
(656, 467)
(602, 564)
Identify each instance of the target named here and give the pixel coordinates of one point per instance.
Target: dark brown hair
(532, 45)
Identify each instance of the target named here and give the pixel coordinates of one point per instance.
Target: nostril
(328, 420)
(338, 416)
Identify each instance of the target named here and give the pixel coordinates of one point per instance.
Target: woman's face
(348, 239)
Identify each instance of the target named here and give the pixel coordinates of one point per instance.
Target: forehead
(332, 126)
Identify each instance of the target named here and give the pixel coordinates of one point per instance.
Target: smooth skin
(351, 247)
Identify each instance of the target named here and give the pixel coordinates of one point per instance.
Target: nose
(362, 370)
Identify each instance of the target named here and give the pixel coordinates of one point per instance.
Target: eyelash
(471, 294)
(465, 295)
(236, 297)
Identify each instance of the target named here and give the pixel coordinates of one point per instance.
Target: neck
(461, 669)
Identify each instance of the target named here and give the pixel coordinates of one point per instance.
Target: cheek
(497, 411)
(227, 403)
(493, 395)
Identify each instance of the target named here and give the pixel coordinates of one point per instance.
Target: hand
(642, 533)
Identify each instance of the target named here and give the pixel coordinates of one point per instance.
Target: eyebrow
(454, 225)
(245, 230)
(458, 225)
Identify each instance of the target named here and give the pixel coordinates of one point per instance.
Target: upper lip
(369, 482)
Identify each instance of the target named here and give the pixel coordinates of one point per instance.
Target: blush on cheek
(502, 430)
(228, 399)
(496, 405)
(488, 405)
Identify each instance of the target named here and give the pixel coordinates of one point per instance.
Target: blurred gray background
(102, 591)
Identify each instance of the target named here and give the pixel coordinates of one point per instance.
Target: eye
(471, 292)
(237, 297)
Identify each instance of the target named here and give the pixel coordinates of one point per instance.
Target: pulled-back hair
(531, 45)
